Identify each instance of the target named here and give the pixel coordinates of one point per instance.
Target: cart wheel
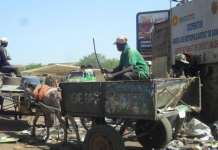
(158, 138)
(103, 137)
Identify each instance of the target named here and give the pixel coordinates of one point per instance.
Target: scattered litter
(196, 140)
(82, 139)
(25, 132)
(197, 148)
(44, 137)
(175, 144)
(40, 129)
(205, 147)
(131, 135)
(8, 140)
(49, 141)
(183, 140)
(214, 146)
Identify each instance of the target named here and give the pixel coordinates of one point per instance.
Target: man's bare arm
(118, 68)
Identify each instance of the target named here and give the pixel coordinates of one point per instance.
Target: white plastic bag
(195, 128)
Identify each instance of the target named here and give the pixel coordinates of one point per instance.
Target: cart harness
(40, 91)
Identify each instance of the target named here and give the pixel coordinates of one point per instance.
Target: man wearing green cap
(132, 65)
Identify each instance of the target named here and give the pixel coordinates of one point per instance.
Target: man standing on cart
(135, 66)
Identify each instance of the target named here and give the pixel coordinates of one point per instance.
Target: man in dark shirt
(177, 69)
(5, 66)
(190, 69)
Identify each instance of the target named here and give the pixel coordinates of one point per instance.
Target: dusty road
(10, 128)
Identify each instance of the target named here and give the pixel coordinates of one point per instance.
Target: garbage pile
(56, 134)
(196, 136)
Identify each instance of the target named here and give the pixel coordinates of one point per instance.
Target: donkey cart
(11, 96)
(148, 104)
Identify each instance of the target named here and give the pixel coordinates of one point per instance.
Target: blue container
(30, 79)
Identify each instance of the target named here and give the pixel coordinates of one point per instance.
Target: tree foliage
(86, 60)
(21, 67)
(104, 62)
(33, 66)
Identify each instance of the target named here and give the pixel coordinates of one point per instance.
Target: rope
(182, 102)
(175, 96)
(50, 107)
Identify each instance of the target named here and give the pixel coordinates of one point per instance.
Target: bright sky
(59, 31)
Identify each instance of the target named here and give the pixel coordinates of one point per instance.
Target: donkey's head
(28, 98)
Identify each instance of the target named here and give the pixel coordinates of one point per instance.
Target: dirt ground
(10, 127)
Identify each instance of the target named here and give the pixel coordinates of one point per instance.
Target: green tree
(34, 66)
(91, 60)
(21, 67)
(111, 63)
(104, 62)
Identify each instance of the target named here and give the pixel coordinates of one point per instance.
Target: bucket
(30, 79)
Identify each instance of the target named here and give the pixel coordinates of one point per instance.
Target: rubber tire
(115, 137)
(12, 81)
(163, 131)
(51, 121)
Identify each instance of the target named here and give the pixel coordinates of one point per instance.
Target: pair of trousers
(127, 76)
(10, 68)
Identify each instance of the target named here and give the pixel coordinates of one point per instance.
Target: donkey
(50, 99)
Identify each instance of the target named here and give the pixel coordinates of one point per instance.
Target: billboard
(195, 30)
(144, 25)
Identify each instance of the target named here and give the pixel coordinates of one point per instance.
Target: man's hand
(2, 75)
(104, 70)
(9, 57)
(109, 76)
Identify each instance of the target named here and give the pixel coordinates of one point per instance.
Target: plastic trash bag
(195, 128)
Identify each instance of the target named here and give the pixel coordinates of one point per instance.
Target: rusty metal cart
(148, 103)
(10, 90)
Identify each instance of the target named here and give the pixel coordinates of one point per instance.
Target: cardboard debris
(8, 140)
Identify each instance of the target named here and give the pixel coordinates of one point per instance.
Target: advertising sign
(195, 30)
(144, 25)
